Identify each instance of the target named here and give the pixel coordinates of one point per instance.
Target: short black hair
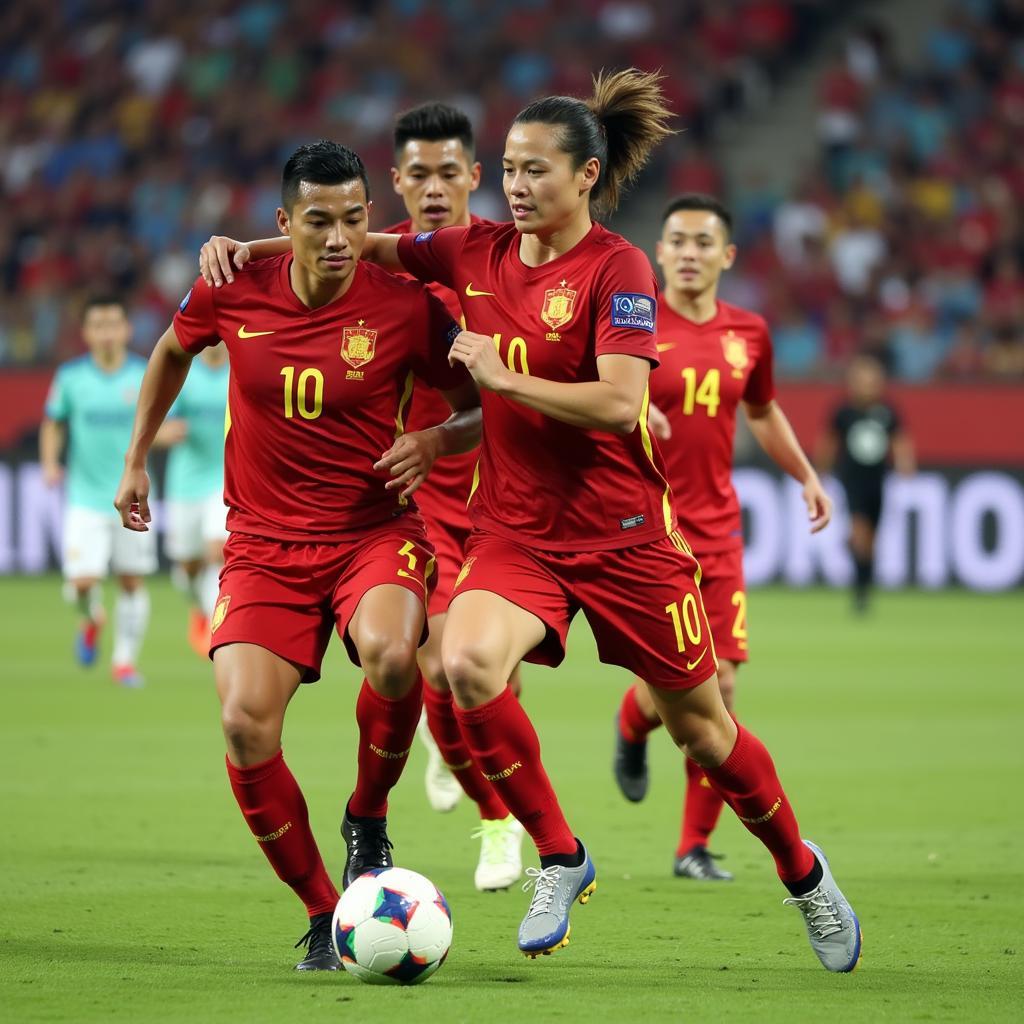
(321, 163)
(99, 299)
(434, 122)
(703, 202)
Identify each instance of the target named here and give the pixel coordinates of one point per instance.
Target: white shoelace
(544, 882)
(819, 911)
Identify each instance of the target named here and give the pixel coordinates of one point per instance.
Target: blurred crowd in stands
(130, 131)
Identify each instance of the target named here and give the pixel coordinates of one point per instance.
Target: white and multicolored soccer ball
(392, 927)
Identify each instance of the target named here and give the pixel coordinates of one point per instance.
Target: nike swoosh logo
(473, 293)
(243, 333)
(691, 665)
(666, 346)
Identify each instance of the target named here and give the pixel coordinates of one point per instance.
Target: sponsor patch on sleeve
(634, 309)
(184, 301)
(452, 333)
(423, 236)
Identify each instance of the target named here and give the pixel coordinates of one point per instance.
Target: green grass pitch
(134, 892)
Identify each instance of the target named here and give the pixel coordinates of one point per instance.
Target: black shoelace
(370, 845)
(318, 938)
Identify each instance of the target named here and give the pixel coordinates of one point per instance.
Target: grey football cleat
(546, 925)
(832, 926)
(699, 864)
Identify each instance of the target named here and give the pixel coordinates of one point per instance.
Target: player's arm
(904, 460)
(52, 435)
(172, 431)
(773, 432)
(612, 402)
(221, 256)
(411, 457)
(168, 367)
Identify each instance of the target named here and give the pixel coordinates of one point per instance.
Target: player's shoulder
(74, 367)
(398, 288)
(489, 232)
(257, 277)
(614, 254)
(740, 317)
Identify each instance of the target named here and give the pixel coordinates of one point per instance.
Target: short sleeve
(433, 255)
(58, 400)
(433, 367)
(195, 323)
(760, 389)
(627, 307)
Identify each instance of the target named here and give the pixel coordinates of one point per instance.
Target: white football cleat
(443, 789)
(501, 857)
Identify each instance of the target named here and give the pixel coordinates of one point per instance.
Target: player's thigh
(183, 540)
(380, 596)
(254, 686)
(645, 608)
(88, 542)
(725, 600)
(508, 605)
(274, 595)
(134, 554)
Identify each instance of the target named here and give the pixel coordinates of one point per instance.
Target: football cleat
(832, 926)
(320, 952)
(630, 766)
(501, 858)
(199, 632)
(368, 847)
(699, 864)
(87, 641)
(443, 789)
(127, 676)
(546, 925)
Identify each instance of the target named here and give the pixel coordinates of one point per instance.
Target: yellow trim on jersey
(645, 437)
(227, 418)
(410, 382)
(476, 482)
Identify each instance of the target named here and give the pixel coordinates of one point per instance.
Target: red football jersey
(706, 370)
(444, 495)
(316, 395)
(540, 481)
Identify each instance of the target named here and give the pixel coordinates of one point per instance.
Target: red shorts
(643, 603)
(288, 596)
(725, 599)
(449, 542)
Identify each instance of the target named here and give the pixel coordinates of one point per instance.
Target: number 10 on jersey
(297, 393)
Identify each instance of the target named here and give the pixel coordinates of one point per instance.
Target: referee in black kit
(865, 436)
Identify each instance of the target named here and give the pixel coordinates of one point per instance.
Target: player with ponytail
(571, 509)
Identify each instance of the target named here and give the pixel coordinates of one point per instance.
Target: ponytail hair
(619, 125)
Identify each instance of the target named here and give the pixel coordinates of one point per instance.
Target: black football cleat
(320, 954)
(368, 846)
(630, 766)
(699, 864)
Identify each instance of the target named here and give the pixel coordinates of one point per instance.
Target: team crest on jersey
(559, 304)
(358, 345)
(734, 348)
(220, 613)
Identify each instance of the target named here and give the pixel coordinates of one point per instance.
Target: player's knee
(390, 664)
(432, 668)
(250, 737)
(471, 674)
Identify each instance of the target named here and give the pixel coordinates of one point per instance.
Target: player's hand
(819, 504)
(53, 474)
(658, 423)
(220, 257)
(409, 460)
(478, 353)
(132, 501)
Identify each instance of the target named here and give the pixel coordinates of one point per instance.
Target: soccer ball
(392, 927)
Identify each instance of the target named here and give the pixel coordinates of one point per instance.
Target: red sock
(275, 810)
(444, 727)
(386, 731)
(701, 808)
(634, 725)
(504, 744)
(749, 785)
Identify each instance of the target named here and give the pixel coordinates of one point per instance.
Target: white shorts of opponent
(193, 525)
(95, 543)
